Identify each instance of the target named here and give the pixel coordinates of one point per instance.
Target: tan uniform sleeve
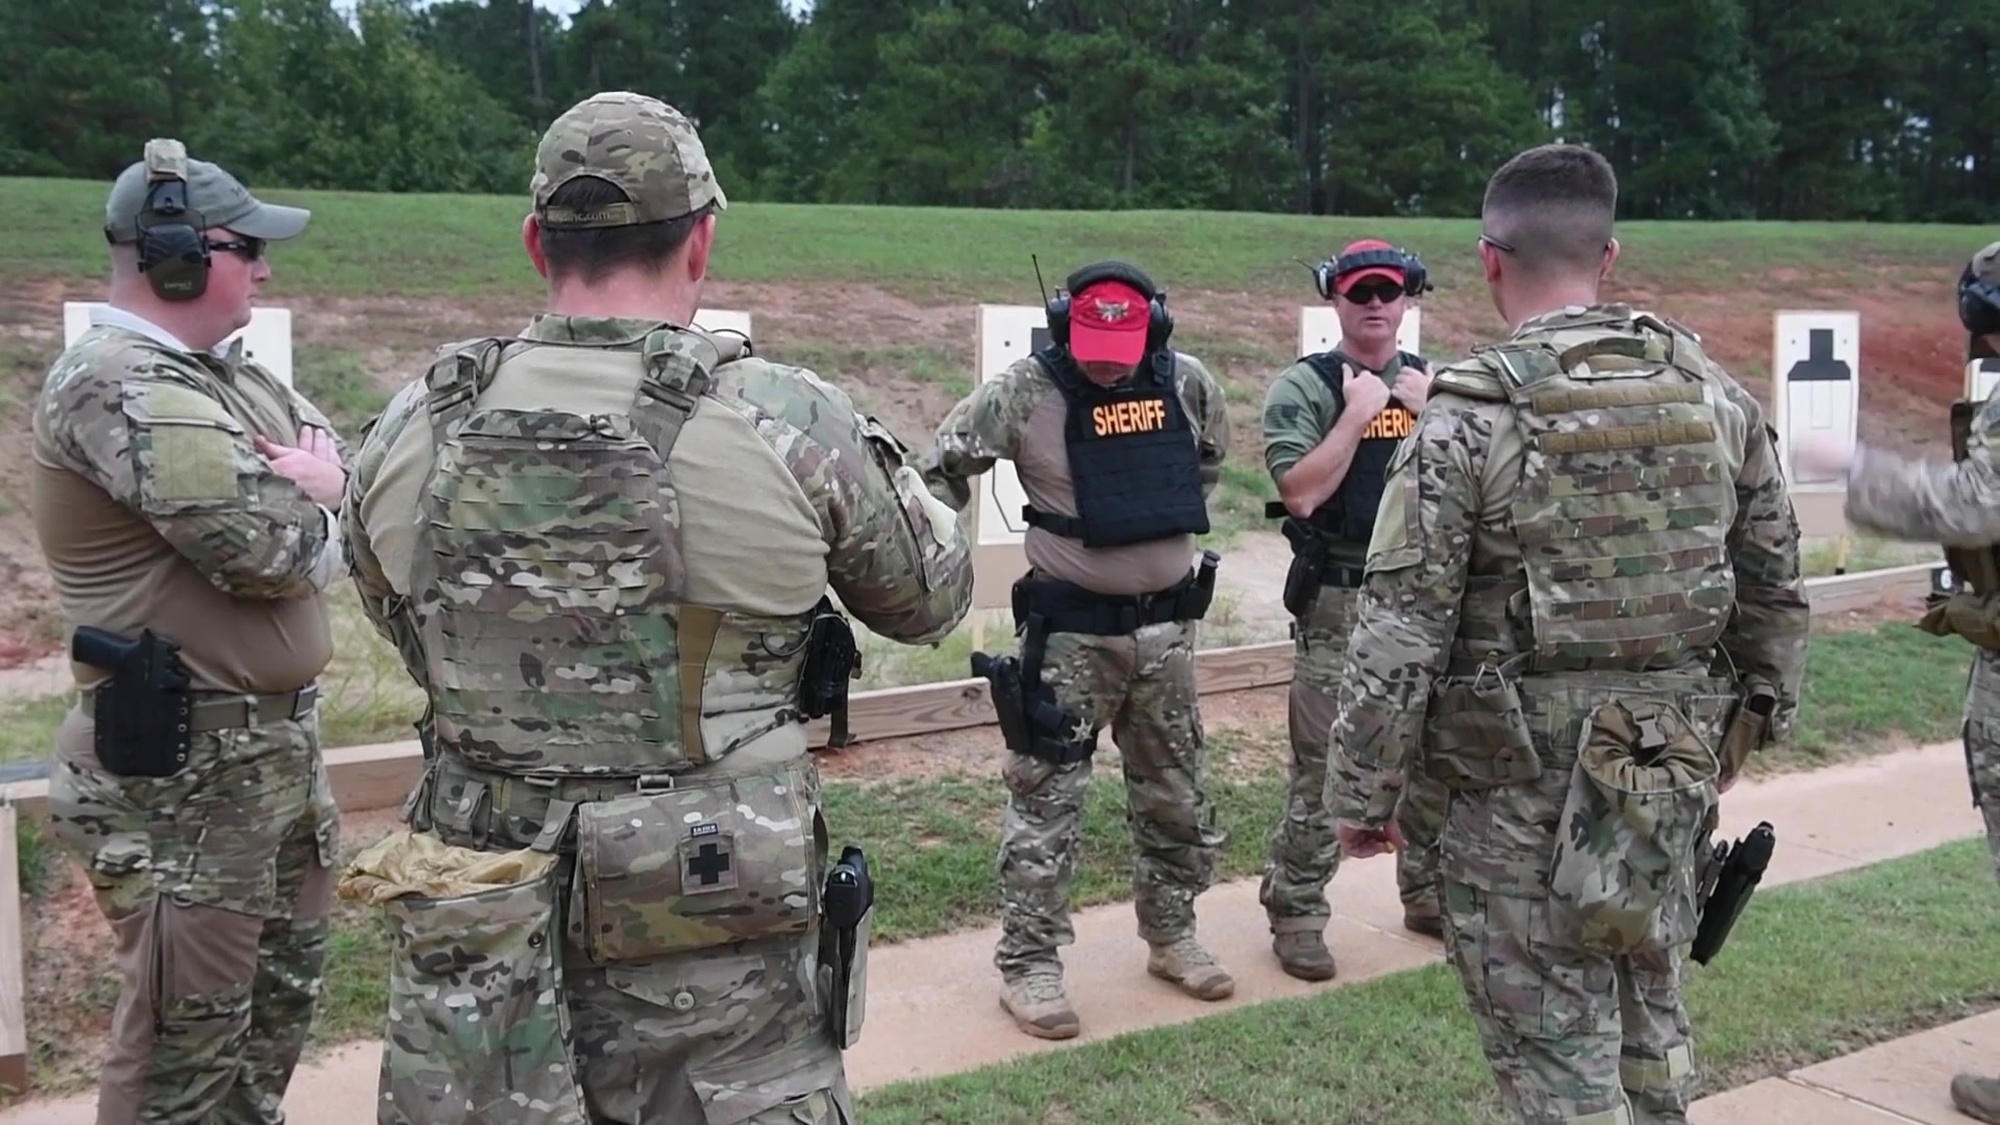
(1208, 407)
(386, 609)
(1766, 636)
(896, 556)
(1408, 608)
(149, 433)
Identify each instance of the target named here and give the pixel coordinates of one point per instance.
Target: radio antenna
(1039, 283)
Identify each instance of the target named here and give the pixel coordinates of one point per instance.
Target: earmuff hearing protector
(173, 252)
(1416, 280)
(1978, 304)
(1159, 323)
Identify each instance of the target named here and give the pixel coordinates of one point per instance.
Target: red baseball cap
(1107, 323)
(1346, 281)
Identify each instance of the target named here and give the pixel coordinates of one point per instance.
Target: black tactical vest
(1133, 459)
(1348, 516)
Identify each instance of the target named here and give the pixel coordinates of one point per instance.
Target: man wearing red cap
(1332, 421)
(1118, 440)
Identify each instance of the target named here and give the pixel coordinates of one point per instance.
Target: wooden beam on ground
(380, 776)
(13, 994)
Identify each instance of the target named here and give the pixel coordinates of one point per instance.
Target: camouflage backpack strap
(1491, 373)
(456, 379)
(680, 368)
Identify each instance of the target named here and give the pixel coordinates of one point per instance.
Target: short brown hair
(1553, 205)
(592, 253)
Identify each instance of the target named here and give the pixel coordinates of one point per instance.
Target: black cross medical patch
(708, 860)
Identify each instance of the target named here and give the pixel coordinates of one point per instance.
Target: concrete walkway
(933, 1004)
(1906, 1081)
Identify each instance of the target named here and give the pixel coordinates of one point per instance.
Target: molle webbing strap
(678, 367)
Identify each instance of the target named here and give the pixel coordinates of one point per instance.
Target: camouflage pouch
(1976, 617)
(1478, 736)
(1628, 852)
(478, 1021)
(707, 863)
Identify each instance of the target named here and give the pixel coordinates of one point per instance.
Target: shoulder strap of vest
(1473, 378)
(1327, 365)
(456, 378)
(680, 367)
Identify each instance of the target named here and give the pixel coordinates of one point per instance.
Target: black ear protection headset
(1416, 280)
(1978, 303)
(1159, 324)
(173, 252)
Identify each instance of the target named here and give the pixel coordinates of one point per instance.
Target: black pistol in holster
(1749, 727)
(1030, 722)
(1728, 879)
(849, 906)
(1309, 560)
(832, 661)
(142, 713)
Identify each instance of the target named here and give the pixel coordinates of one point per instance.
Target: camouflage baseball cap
(642, 145)
(219, 198)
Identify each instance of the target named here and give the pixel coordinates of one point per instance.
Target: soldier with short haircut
(603, 548)
(1332, 421)
(183, 496)
(1956, 504)
(1585, 557)
(1119, 439)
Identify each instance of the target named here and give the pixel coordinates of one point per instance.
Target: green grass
(1811, 972)
(417, 245)
(1865, 685)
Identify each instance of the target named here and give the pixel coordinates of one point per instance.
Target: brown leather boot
(1040, 1006)
(1303, 954)
(1422, 917)
(1977, 1097)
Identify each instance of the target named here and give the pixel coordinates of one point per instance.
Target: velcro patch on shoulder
(1471, 381)
(184, 444)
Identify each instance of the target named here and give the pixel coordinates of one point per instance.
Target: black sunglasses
(251, 248)
(1367, 291)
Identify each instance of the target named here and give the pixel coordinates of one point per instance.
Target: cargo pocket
(1622, 879)
(1478, 736)
(698, 866)
(478, 1021)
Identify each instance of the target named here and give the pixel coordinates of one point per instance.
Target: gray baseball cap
(218, 197)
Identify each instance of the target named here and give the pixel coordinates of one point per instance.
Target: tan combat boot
(1040, 1007)
(1303, 954)
(1977, 1098)
(1422, 917)
(1187, 964)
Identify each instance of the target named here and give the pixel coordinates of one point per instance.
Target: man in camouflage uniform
(1119, 439)
(183, 491)
(603, 547)
(1587, 543)
(1331, 423)
(1956, 504)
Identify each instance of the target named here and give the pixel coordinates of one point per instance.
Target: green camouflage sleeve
(983, 428)
(897, 557)
(146, 430)
(1203, 398)
(387, 610)
(1408, 607)
(1297, 415)
(1766, 636)
(1956, 504)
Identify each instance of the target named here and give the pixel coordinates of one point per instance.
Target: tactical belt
(226, 710)
(1065, 607)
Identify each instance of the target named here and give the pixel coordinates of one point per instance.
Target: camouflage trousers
(1142, 686)
(216, 882)
(1982, 743)
(1304, 853)
(1573, 1038)
(727, 1033)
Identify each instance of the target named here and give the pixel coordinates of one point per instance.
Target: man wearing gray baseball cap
(183, 497)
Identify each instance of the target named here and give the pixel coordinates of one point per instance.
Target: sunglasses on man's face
(250, 248)
(1384, 291)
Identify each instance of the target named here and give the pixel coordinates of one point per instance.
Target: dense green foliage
(1711, 109)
